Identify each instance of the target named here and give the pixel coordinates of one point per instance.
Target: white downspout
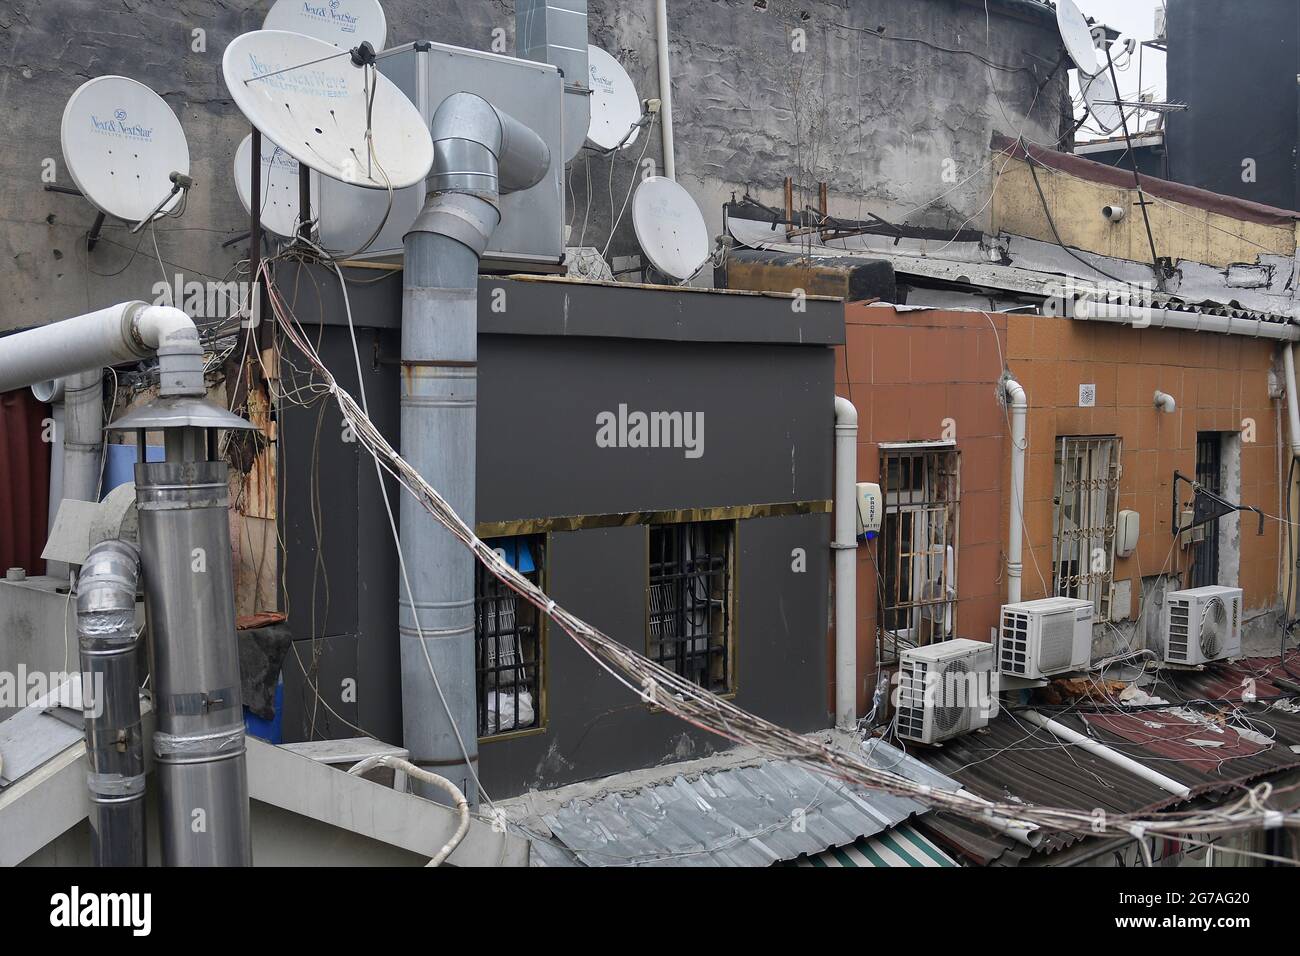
(1292, 399)
(845, 546)
(1018, 405)
(1105, 753)
(665, 88)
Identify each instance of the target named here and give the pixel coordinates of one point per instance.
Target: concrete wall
(1181, 231)
(930, 375)
(1220, 383)
(890, 123)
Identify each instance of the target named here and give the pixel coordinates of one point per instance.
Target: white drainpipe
(1018, 405)
(665, 88)
(845, 546)
(1105, 753)
(1292, 399)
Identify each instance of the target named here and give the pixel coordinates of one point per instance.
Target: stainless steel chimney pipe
(479, 153)
(110, 683)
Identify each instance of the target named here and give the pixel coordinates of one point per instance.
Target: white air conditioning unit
(945, 690)
(1042, 638)
(1202, 625)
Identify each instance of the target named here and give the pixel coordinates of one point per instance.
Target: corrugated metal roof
(903, 846)
(743, 816)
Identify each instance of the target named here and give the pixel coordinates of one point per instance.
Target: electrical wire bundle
(693, 704)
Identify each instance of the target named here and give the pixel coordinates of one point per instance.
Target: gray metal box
(531, 233)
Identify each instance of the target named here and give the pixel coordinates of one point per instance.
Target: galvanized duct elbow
(480, 150)
(110, 675)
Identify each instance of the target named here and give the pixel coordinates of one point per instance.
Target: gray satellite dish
(1077, 37)
(1100, 95)
(121, 143)
(615, 106)
(670, 228)
(344, 23)
(308, 97)
(280, 186)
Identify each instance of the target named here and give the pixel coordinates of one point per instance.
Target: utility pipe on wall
(665, 88)
(1292, 399)
(1106, 753)
(1144, 317)
(845, 546)
(1018, 406)
(479, 154)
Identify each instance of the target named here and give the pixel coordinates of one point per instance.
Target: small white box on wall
(1127, 527)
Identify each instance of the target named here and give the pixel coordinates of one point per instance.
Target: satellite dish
(669, 227)
(279, 206)
(614, 103)
(1077, 37)
(344, 23)
(1100, 95)
(121, 142)
(305, 95)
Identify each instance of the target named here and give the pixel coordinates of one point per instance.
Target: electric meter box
(870, 508)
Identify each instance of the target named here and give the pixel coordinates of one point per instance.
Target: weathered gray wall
(879, 119)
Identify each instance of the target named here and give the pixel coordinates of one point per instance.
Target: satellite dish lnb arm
(180, 182)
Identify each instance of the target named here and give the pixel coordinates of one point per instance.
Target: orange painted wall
(1218, 381)
(906, 372)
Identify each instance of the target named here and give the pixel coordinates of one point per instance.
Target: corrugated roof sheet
(1013, 760)
(743, 816)
(903, 846)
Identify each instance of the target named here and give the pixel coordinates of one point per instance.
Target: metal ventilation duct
(555, 32)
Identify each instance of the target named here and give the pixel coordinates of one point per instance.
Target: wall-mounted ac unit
(1042, 638)
(1202, 624)
(945, 690)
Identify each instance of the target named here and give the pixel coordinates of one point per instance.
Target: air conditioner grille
(1056, 646)
(951, 713)
(1013, 648)
(1179, 633)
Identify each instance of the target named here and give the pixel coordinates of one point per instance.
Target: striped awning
(901, 846)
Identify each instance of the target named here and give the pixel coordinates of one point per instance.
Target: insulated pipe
(110, 680)
(1292, 399)
(126, 332)
(1106, 753)
(184, 506)
(479, 152)
(665, 88)
(845, 547)
(1018, 405)
(1143, 317)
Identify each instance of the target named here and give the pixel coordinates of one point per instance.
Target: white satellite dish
(614, 103)
(280, 183)
(344, 23)
(1077, 37)
(1100, 95)
(308, 97)
(669, 227)
(121, 142)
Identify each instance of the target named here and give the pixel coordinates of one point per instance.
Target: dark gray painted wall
(889, 123)
(1236, 66)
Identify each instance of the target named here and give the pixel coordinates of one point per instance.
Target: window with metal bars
(690, 603)
(1209, 474)
(1086, 497)
(508, 635)
(920, 483)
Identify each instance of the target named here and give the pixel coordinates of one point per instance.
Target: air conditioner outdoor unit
(945, 690)
(1042, 638)
(1202, 624)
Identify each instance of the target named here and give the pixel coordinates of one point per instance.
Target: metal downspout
(479, 153)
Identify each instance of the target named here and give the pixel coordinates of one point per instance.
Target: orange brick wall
(907, 371)
(1218, 381)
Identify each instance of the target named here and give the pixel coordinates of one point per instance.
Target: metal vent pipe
(110, 684)
(479, 153)
(555, 32)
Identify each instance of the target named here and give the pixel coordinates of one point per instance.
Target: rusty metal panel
(24, 481)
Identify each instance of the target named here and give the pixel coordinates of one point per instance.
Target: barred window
(508, 641)
(1086, 498)
(689, 601)
(918, 544)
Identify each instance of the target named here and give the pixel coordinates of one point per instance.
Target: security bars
(689, 601)
(1086, 498)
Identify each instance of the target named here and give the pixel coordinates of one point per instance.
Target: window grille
(508, 642)
(1086, 498)
(689, 601)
